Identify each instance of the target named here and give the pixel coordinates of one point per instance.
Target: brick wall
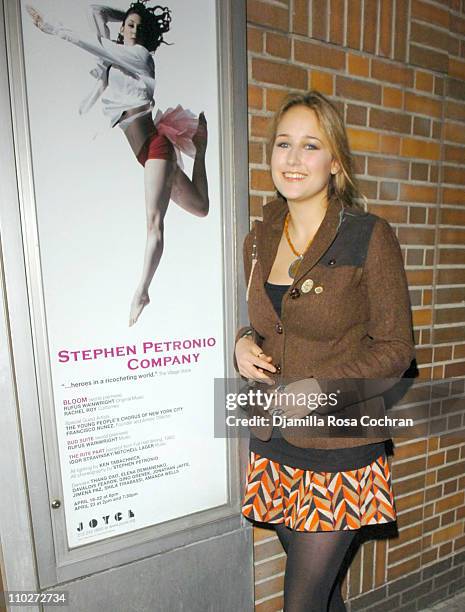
(396, 70)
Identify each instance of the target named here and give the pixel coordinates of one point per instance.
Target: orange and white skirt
(306, 500)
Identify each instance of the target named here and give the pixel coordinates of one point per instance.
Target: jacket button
(278, 368)
(331, 262)
(294, 293)
(279, 328)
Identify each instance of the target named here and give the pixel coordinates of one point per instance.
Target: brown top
(350, 320)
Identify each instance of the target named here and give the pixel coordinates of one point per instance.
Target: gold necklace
(294, 267)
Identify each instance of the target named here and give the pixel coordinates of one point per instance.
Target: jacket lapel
(270, 231)
(323, 239)
(269, 234)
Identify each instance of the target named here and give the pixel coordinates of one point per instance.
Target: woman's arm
(391, 348)
(247, 260)
(246, 350)
(136, 60)
(101, 15)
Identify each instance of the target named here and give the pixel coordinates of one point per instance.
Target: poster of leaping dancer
(123, 106)
(125, 74)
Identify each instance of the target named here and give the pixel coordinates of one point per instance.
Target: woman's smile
(294, 176)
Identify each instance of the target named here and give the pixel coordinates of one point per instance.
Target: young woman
(125, 82)
(329, 307)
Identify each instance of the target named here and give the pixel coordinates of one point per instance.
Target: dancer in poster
(125, 75)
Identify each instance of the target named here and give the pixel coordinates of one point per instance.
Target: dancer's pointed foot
(200, 138)
(139, 302)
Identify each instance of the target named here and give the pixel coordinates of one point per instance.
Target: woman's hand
(298, 399)
(252, 361)
(38, 21)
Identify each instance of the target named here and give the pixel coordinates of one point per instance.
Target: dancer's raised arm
(136, 59)
(100, 16)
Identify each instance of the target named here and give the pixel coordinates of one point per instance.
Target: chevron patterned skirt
(305, 500)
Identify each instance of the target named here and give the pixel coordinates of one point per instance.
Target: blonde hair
(342, 185)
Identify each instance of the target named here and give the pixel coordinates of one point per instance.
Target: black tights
(313, 563)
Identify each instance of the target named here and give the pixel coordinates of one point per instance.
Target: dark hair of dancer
(155, 22)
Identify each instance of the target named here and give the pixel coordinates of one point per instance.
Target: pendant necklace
(294, 267)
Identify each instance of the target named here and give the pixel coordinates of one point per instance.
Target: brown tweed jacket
(354, 322)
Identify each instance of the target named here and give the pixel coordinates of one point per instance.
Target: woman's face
(131, 30)
(301, 163)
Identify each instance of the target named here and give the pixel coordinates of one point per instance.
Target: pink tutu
(178, 125)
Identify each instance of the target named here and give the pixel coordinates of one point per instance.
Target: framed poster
(122, 125)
